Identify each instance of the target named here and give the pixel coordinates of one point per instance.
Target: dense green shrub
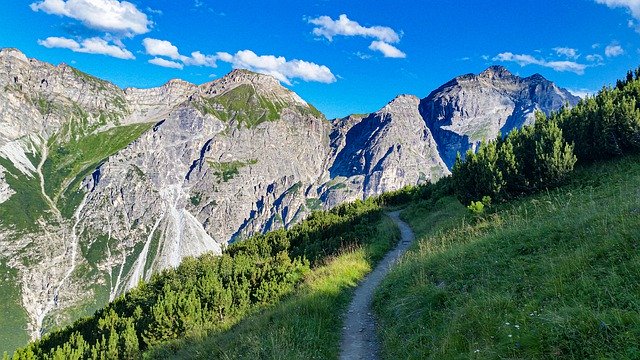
(527, 160)
(606, 125)
(210, 291)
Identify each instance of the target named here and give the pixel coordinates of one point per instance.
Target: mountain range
(100, 186)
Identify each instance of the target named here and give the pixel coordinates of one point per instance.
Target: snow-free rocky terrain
(100, 186)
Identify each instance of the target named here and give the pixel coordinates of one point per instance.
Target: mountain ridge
(136, 179)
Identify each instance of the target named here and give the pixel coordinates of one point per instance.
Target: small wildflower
(477, 351)
(507, 324)
(517, 326)
(510, 335)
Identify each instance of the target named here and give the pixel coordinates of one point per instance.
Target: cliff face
(381, 152)
(100, 187)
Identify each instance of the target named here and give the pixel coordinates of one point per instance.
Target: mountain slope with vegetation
(101, 187)
(551, 275)
(541, 263)
(554, 275)
(322, 257)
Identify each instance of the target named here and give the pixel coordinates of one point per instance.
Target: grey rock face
(383, 151)
(470, 108)
(213, 163)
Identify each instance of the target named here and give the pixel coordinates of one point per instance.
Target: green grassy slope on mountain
(66, 165)
(247, 108)
(12, 315)
(69, 162)
(555, 275)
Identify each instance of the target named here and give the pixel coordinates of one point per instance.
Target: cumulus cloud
(157, 47)
(567, 52)
(329, 28)
(613, 50)
(278, 67)
(633, 6)
(199, 59)
(343, 26)
(165, 48)
(166, 63)
(524, 60)
(93, 45)
(120, 17)
(387, 50)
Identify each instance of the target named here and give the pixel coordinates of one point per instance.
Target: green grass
(313, 204)
(13, 318)
(196, 199)
(22, 210)
(306, 325)
(243, 105)
(68, 163)
(556, 275)
(246, 107)
(226, 171)
(295, 188)
(94, 251)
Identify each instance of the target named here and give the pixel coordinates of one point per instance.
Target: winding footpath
(359, 340)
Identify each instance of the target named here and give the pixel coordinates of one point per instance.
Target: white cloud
(387, 50)
(362, 55)
(199, 59)
(157, 47)
(567, 52)
(93, 45)
(582, 93)
(343, 26)
(154, 11)
(165, 48)
(562, 66)
(596, 58)
(59, 42)
(166, 63)
(278, 67)
(329, 28)
(114, 16)
(613, 50)
(524, 60)
(633, 6)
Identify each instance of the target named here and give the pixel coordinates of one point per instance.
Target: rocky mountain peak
(471, 108)
(241, 76)
(537, 78)
(262, 85)
(401, 103)
(13, 53)
(496, 72)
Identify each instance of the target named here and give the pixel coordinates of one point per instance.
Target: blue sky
(343, 56)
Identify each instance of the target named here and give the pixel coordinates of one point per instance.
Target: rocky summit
(100, 187)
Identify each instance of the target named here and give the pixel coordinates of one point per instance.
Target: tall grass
(556, 275)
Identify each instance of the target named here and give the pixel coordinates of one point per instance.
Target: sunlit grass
(555, 275)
